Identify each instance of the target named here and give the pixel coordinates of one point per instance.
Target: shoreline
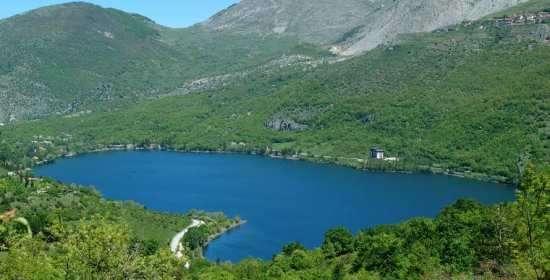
(215, 236)
(218, 235)
(177, 248)
(318, 159)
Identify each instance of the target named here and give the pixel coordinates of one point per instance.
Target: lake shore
(232, 227)
(283, 200)
(355, 163)
(177, 247)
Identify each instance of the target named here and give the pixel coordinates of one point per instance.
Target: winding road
(175, 245)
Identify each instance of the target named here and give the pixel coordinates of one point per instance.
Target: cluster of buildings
(44, 148)
(529, 18)
(130, 147)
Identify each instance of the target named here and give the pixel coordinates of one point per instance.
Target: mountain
(350, 26)
(77, 57)
(58, 57)
(458, 99)
(470, 100)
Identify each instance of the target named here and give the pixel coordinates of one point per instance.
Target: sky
(172, 13)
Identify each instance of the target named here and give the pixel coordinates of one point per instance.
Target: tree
(96, 249)
(147, 247)
(379, 252)
(196, 237)
(288, 249)
(338, 241)
(28, 259)
(459, 227)
(9, 219)
(300, 260)
(250, 269)
(533, 204)
(161, 265)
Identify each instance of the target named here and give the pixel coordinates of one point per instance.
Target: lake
(282, 200)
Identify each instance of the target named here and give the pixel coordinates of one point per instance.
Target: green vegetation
(75, 57)
(45, 203)
(469, 102)
(465, 241)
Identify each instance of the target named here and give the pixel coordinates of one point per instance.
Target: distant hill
(58, 58)
(350, 26)
(78, 57)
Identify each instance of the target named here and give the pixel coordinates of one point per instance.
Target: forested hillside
(468, 99)
(78, 58)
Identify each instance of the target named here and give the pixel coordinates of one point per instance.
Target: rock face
(281, 124)
(350, 27)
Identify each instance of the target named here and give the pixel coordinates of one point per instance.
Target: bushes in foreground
(467, 239)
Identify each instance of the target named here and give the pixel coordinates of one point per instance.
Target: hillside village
(524, 18)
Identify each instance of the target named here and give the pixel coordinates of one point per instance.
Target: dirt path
(175, 245)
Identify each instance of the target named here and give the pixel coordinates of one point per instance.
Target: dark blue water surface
(283, 201)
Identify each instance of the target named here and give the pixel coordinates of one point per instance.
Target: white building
(377, 153)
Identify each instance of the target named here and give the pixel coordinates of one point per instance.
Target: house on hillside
(377, 153)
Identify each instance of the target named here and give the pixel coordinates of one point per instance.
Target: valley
(451, 101)
(142, 124)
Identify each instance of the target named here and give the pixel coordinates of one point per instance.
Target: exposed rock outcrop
(350, 27)
(282, 124)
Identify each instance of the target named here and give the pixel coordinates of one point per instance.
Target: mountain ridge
(79, 57)
(350, 27)
(73, 57)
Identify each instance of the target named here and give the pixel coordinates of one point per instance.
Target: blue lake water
(283, 201)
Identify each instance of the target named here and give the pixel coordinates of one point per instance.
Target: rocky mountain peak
(350, 27)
